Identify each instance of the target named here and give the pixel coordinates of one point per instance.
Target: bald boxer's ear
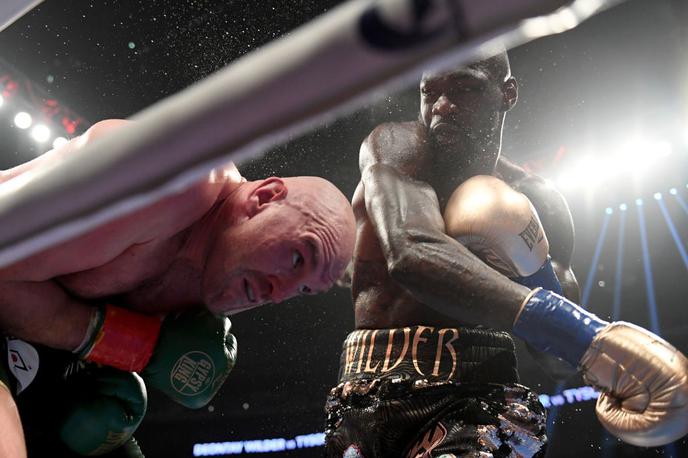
(510, 94)
(270, 190)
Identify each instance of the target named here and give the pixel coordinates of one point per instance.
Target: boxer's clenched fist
(188, 355)
(644, 379)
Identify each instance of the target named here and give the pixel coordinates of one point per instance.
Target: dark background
(589, 91)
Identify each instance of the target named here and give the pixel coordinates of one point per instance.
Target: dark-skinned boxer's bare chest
(379, 301)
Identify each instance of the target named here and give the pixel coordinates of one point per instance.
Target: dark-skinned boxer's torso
(381, 302)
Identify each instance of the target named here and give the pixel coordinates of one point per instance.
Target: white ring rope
(330, 65)
(11, 10)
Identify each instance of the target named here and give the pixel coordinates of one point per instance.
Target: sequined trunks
(422, 392)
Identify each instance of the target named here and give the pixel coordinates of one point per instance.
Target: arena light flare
(40, 133)
(636, 158)
(23, 120)
(59, 141)
(639, 154)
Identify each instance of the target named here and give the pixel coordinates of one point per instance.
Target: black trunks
(422, 392)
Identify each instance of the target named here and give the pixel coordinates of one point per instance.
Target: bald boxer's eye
(296, 259)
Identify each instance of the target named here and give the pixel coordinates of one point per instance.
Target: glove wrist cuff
(555, 325)
(544, 277)
(95, 323)
(121, 338)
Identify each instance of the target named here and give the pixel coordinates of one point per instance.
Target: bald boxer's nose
(274, 294)
(281, 288)
(443, 106)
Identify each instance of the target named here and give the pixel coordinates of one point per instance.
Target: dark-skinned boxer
(430, 370)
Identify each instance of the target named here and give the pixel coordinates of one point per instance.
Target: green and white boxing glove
(187, 356)
(194, 355)
(106, 406)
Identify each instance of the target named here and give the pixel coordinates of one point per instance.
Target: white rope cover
(327, 66)
(11, 10)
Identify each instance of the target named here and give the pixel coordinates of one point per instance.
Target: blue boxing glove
(644, 379)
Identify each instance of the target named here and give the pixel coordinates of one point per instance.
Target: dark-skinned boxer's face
(463, 109)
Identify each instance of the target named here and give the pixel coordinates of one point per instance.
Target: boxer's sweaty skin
(145, 256)
(406, 270)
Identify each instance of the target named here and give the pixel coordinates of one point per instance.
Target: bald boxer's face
(276, 254)
(461, 108)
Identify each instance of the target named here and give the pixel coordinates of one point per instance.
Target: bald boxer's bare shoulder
(121, 254)
(133, 249)
(159, 234)
(125, 250)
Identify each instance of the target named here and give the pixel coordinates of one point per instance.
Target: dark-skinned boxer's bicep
(403, 211)
(437, 270)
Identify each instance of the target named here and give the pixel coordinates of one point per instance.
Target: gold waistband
(426, 352)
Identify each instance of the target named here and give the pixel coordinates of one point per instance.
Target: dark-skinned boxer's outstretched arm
(436, 269)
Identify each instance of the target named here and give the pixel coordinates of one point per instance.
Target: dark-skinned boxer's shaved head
(463, 109)
(496, 65)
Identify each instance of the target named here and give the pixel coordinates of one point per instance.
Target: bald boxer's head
(464, 108)
(288, 236)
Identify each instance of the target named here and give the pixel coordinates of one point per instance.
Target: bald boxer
(454, 246)
(220, 247)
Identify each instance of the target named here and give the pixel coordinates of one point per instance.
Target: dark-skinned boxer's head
(288, 236)
(464, 108)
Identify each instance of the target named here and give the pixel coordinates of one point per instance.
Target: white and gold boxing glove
(644, 380)
(501, 226)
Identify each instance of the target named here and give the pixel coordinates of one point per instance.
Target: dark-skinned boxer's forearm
(43, 313)
(433, 267)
